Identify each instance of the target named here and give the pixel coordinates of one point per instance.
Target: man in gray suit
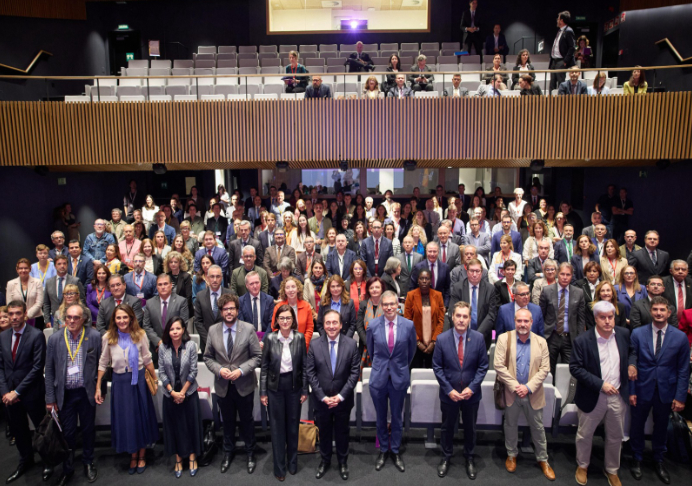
(460, 273)
(160, 309)
(431, 215)
(235, 247)
(274, 254)
(52, 291)
(232, 355)
(449, 251)
(71, 371)
(478, 239)
(409, 259)
(117, 287)
(305, 258)
(456, 90)
(206, 305)
(563, 308)
(400, 90)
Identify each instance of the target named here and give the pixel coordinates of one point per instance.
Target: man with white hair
(96, 243)
(516, 207)
(359, 61)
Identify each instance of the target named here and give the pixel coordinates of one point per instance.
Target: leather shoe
(90, 472)
(581, 476)
(381, 458)
(547, 470)
(251, 463)
(662, 472)
(613, 479)
(399, 462)
(636, 470)
(443, 468)
(511, 464)
(343, 471)
(292, 470)
(226, 461)
(471, 468)
(321, 469)
(47, 473)
(64, 479)
(21, 469)
(281, 478)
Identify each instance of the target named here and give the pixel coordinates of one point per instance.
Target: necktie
(137, 277)
(18, 336)
(60, 281)
(659, 341)
(569, 249)
(401, 92)
(214, 305)
(332, 356)
(408, 260)
(653, 257)
(460, 352)
(562, 307)
(390, 338)
(474, 308)
(164, 314)
(229, 343)
(118, 302)
(681, 302)
(377, 257)
(444, 253)
(209, 252)
(255, 313)
(278, 252)
(432, 275)
(74, 267)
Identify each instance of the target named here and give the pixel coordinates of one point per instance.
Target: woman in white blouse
(540, 233)
(497, 263)
(298, 234)
(149, 211)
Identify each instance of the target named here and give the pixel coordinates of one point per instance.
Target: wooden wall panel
(374, 133)
(49, 9)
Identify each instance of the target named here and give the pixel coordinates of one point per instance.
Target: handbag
(152, 382)
(307, 437)
(499, 387)
(49, 441)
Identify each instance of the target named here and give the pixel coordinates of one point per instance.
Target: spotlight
(410, 164)
(537, 165)
(354, 24)
(41, 170)
(343, 165)
(159, 169)
(663, 164)
(282, 166)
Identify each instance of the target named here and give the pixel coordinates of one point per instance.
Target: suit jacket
(505, 319)
(50, 295)
(625, 254)
(323, 92)
(332, 263)
(450, 375)
(640, 314)
(501, 44)
(222, 227)
(483, 247)
(538, 369)
(404, 225)
(302, 262)
(57, 363)
(588, 231)
(153, 325)
(641, 260)
(670, 292)
(502, 292)
(107, 307)
(411, 78)
(442, 283)
(204, 315)
(394, 366)
(413, 310)
(188, 367)
(577, 262)
(266, 310)
(450, 91)
(566, 46)
(405, 275)
(52, 253)
(25, 373)
(516, 242)
(235, 253)
(272, 258)
(560, 251)
(271, 363)
(459, 274)
(85, 269)
(343, 380)
(565, 88)
(184, 287)
(148, 287)
(263, 238)
(466, 22)
(534, 266)
(585, 367)
(576, 309)
(355, 67)
(669, 370)
(487, 304)
(453, 254)
(394, 92)
(348, 317)
(167, 230)
(218, 254)
(583, 284)
(367, 254)
(237, 284)
(246, 356)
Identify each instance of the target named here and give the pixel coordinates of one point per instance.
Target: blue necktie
(474, 309)
(214, 305)
(332, 356)
(60, 280)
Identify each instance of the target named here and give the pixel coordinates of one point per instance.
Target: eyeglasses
(390, 304)
(72, 318)
(523, 294)
(71, 294)
(284, 319)
(228, 309)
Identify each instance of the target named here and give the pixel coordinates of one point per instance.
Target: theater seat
(488, 416)
(427, 94)
(161, 64)
(238, 97)
(273, 89)
(272, 96)
(227, 49)
(170, 98)
(185, 98)
(226, 89)
(183, 63)
(212, 97)
(177, 90)
(129, 91)
(76, 99)
(107, 99)
(132, 98)
(288, 96)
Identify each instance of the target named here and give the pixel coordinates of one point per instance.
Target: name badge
(377, 261)
(73, 370)
(241, 261)
(218, 233)
(140, 295)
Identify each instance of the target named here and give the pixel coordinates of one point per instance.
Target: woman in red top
(291, 293)
(355, 285)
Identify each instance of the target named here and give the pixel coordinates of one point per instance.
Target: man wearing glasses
(96, 243)
(507, 312)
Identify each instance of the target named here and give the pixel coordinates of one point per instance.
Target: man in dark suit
(650, 260)
(573, 86)
(456, 90)
(506, 230)
(161, 225)
(563, 310)
(22, 386)
(678, 287)
(317, 89)
(421, 80)
(218, 254)
(333, 368)
(376, 250)
(217, 224)
(562, 51)
(507, 312)
(480, 294)
(534, 269)
(339, 261)
(409, 259)
(459, 273)
(659, 375)
(232, 356)
(640, 314)
(439, 271)
(117, 287)
(599, 364)
(470, 28)
(206, 305)
(449, 251)
(564, 249)
(237, 284)
(139, 282)
(160, 309)
(359, 61)
(497, 44)
(460, 363)
(391, 341)
(400, 90)
(79, 265)
(58, 239)
(72, 360)
(235, 247)
(274, 254)
(266, 237)
(305, 258)
(54, 287)
(401, 225)
(256, 307)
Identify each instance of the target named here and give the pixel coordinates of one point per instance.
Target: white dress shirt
(654, 330)
(286, 360)
(678, 286)
(610, 359)
(556, 44)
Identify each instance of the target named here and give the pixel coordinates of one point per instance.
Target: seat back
(227, 49)
(206, 50)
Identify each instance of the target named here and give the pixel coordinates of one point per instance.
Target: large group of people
(311, 290)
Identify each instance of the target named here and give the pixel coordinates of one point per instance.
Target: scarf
(370, 313)
(125, 343)
(318, 283)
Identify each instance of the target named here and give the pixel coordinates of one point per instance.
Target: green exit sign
(129, 56)
(123, 27)
(580, 19)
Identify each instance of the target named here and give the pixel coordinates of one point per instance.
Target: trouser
(556, 78)
(229, 405)
(610, 409)
(422, 87)
(640, 413)
(559, 345)
(19, 413)
(450, 419)
(474, 41)
(386, 399)
(421, 360)
(333, 425)
(284, 420)
(76, 406)
(295, 89)
(535, 420)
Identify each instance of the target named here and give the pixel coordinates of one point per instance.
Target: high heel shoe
(140, 469)
(132, 469)
(193, 472)
(178, 472)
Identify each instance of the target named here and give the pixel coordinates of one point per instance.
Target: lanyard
(613, 266)
(135, 282)
(42, 274)
(99, 296)
(509, 291)
(69, 350)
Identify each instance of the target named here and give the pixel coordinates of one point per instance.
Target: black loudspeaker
(159, 169)
(343, 165)
(410, 164)
(537, 165)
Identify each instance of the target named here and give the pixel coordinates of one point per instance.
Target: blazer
(585, 367)
(263, 238)
(405, 275)
(518, 72)
(442, 282)
(271, 363)
(516, 242)
(394, 92)
(148, 287)
(501, 44)
(608, 273)
(57, 363)
(302, 262)
(332, 263)
(356, 67)
(449, 92)
(641, 89)
(348, 317)
(184, 287)
(532, 268)
(85, 269)
(583, 284)
(566, 46)
(266, 310)
(413, 310)
(466, 21)
(306, 324)
(624, 298)
(576, 309)
(188, 366)
(218, 254)
(565, 88)
(394, 366)
(411, 78)
(450, 375)
(577, 263)
(390, 284)
(560, 251)
(484, 245)
(640, 314)
(538, 369)
(502, 292)
(459, 274)
(343, 380)
(488, 303)
(323, 92)
(669, 370)
(453, 254)
(272, 258)
(367, 254)
(204, 315)
(641, 260)
(237, 284)
(157, 263)
(52, 253)
(34, 295)
(107, 307)
(505, 319)
(671, 292)
(167, 230)
(50, 294)
(246, 356)
(235, 252)
(314, 226)
(222, 227)
(624, 253)
(25, 373)
(153, 325)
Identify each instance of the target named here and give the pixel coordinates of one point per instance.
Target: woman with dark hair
(523, 63)
(345, 228)
(420, 220)
(314, 284)
(407, 212)
(503, 287)
(182, 418)
(359, 235)
(593, 275)
(299, 233)
(584, 253)
(337, 298)
(390, 234)
(480, 192)
(359, 215)
(284, 387)
(355, 285)
(368, 310)
(199, 282)
(475, 203)
(584, 53)
(492, 70)
(606, 291)
(381, 213)
(292, 294)
(149, 211)
(295, 196)
(425, 307)
(527, 86)
(599, 85)
(140, 231)
(196, 199)
(133, 417)
(393, 67)
(97, 290)
(637, 82)
(181, 247)
(153, 263)
(542, 213)
(222, 196)
(334, 214)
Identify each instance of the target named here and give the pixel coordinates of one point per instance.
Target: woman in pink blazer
(27, 289)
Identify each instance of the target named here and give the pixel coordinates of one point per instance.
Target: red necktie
(209, 252)
(118, 302)
(377, 257)
(681, 302)
(460, 351)
(444, 253)
(17, 337)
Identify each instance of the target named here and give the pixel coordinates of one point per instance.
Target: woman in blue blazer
(629, 290)
(584, 253)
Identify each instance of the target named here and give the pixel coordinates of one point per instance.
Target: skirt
(133, 418)
(182, 426)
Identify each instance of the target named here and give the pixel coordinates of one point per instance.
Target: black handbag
(210, 446)
(679, 439)
(49, 441)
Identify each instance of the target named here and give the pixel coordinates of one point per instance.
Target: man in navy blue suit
(439, 271)
(162, 226)
(391, 341)
(339, 261)
(256, 307)
(79, 265)
(376, 250)
(506, 230)
(659, 372)
(564, 249)
(218, 254)
(460, 362)
(139, 282)
(505, 315)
